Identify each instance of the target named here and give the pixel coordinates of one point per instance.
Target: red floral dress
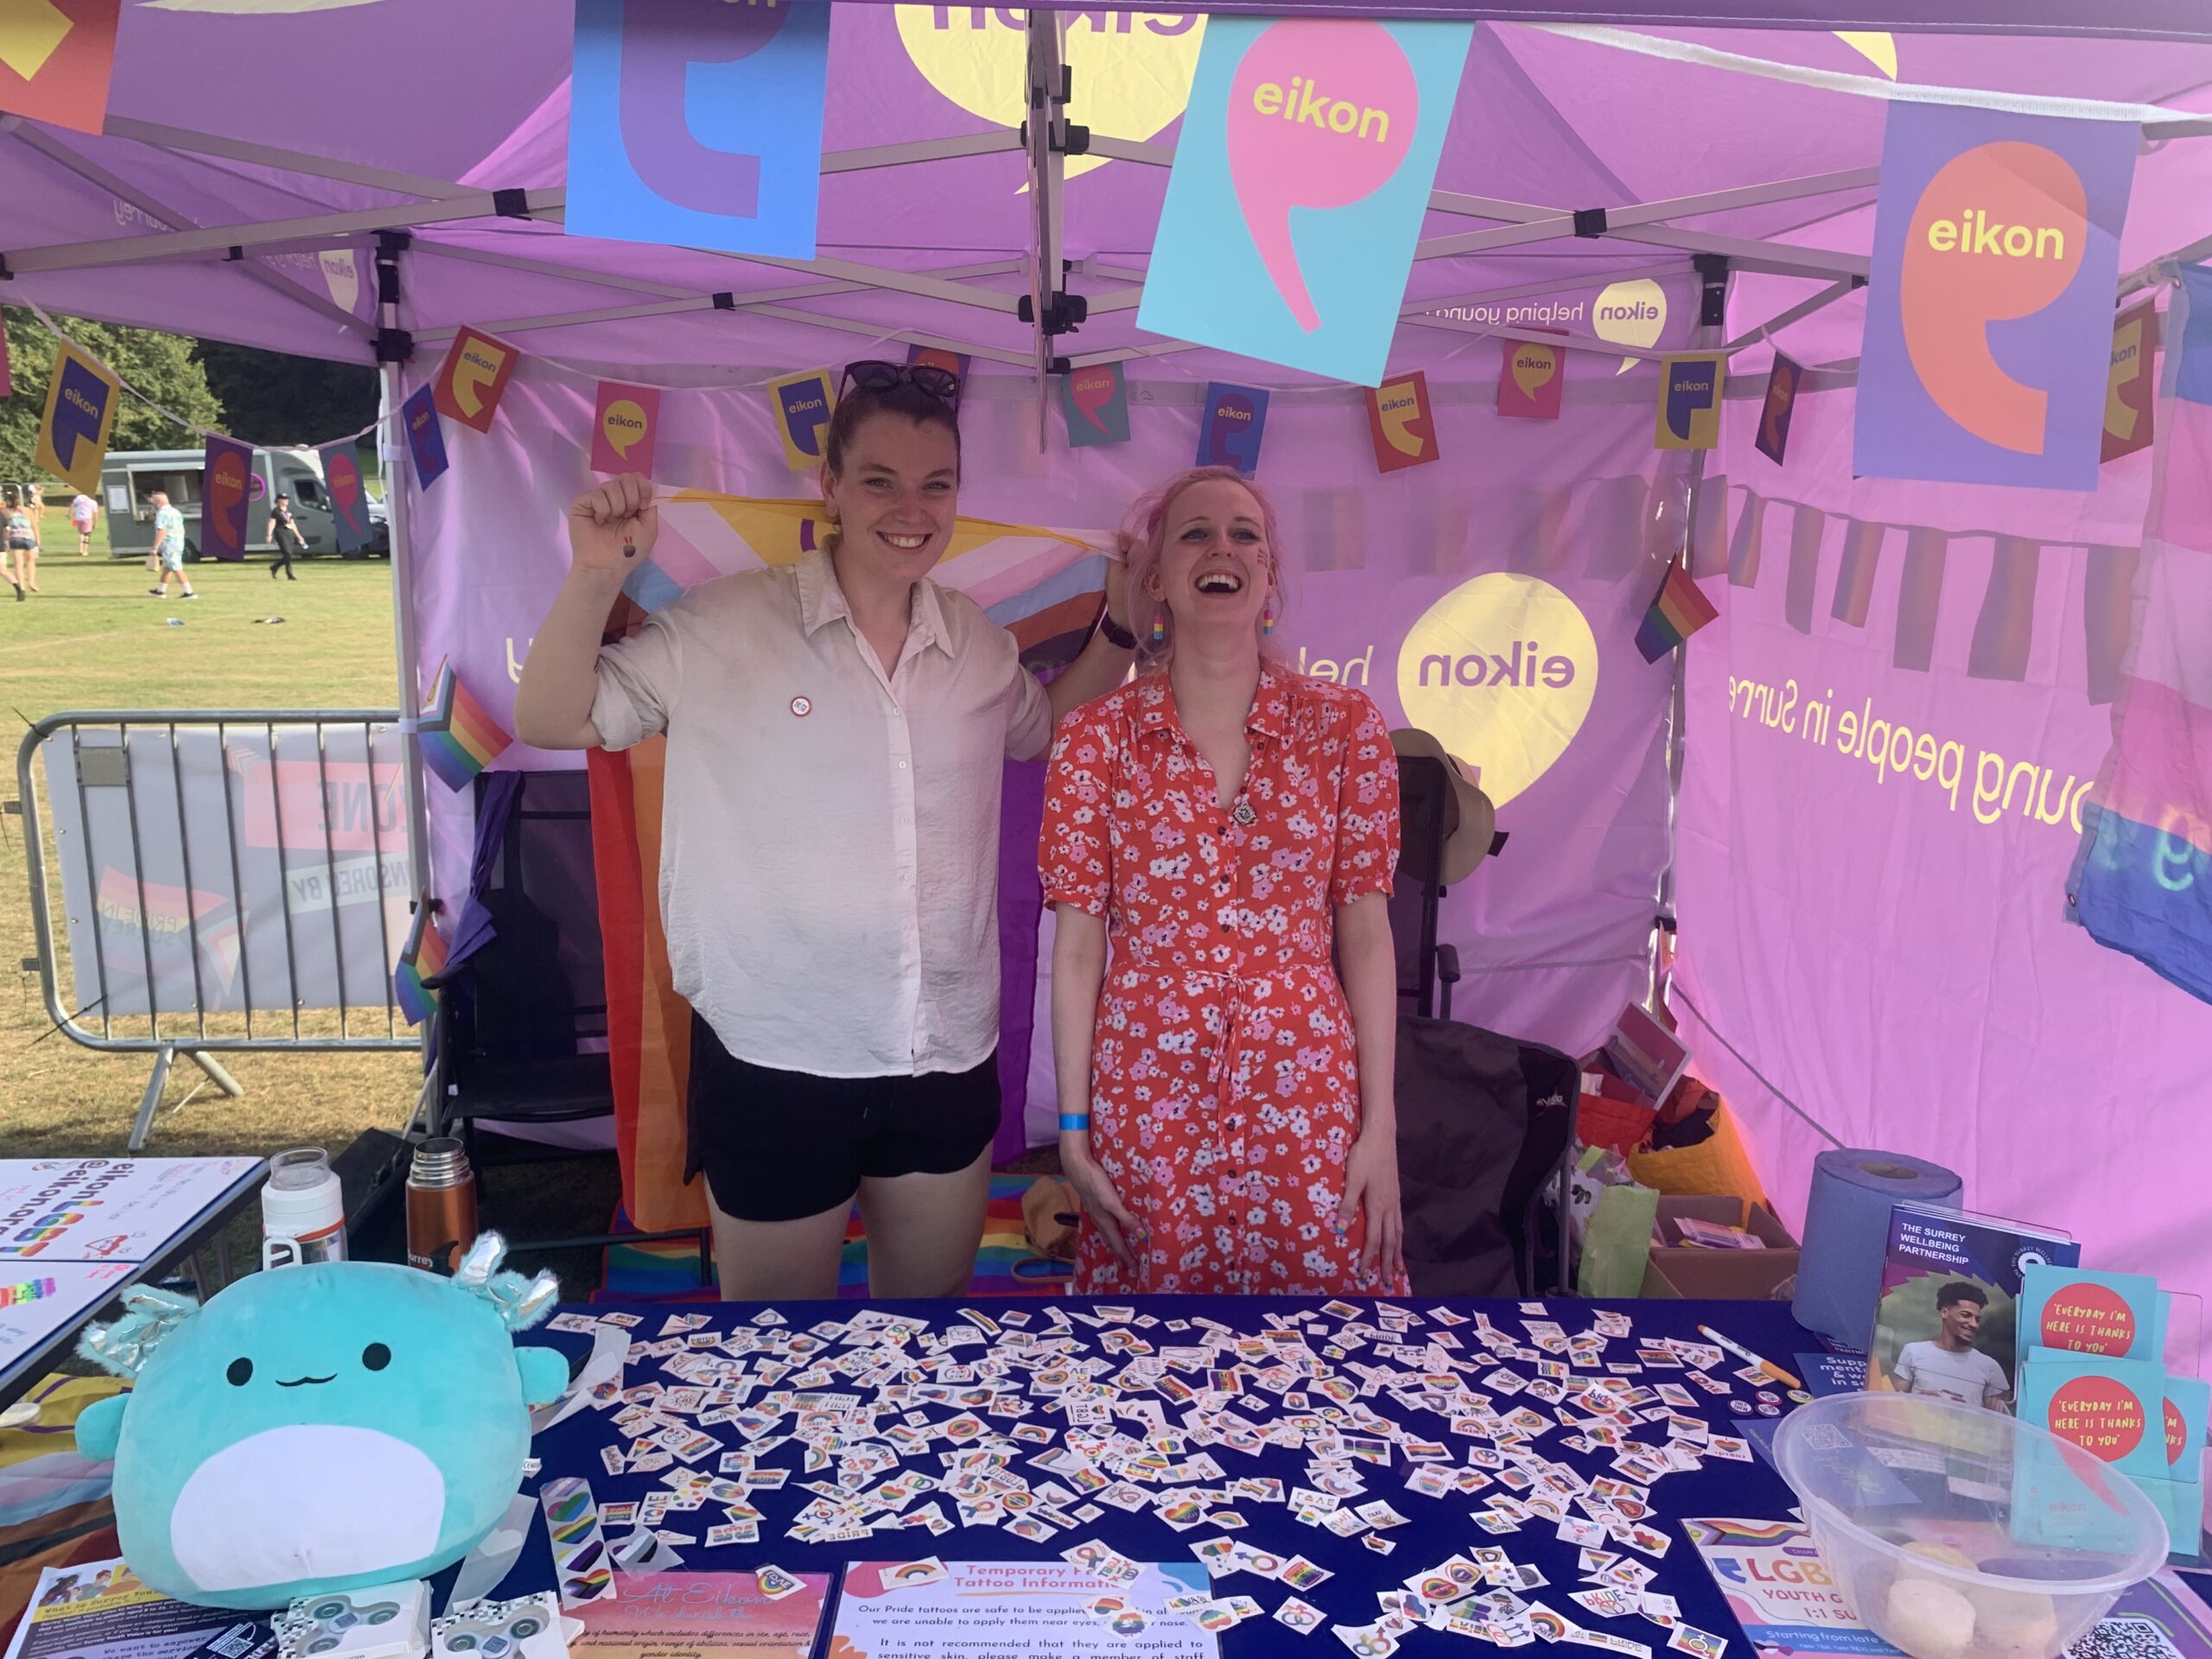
(1225, 1078)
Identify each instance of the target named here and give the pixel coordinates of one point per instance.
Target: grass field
(94, 640)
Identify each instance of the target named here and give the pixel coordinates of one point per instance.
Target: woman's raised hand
(612, 527)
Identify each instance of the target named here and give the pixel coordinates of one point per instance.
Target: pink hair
(1147, 536)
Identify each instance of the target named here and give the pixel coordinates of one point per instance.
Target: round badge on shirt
(802, 707)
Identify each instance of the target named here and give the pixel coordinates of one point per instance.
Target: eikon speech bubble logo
(1091, 389)
(1321, 114)
(227, 484)
(1630, 314)
(624, 423)
(1503, 669)
(1997, 236)
(1534, 367)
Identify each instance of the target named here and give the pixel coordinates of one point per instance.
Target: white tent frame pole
(92, 173)
(998, 140)
(159, 137)
(406, 647)
(134, 250)
(896, 282)
(1797, 312)
(1048, 136)
(1663, 918)
(877, 331)
(677, 300)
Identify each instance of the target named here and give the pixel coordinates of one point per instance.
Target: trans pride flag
(2142, 882)
(1045, 586)
(458, 734)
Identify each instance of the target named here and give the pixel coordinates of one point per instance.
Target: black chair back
(1424, 813)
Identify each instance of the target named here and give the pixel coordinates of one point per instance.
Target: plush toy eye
(241, 1372)
(376, 1356)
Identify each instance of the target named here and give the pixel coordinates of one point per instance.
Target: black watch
(1115, 632)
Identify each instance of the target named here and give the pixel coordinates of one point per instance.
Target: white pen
(1749, 1357)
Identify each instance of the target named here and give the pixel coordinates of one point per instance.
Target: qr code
(1827, 1437)
(2125, 1638)
(240, 1639)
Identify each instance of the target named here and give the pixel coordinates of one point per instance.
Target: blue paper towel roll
(1847, 1235)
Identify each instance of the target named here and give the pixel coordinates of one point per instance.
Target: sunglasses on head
(876, 375)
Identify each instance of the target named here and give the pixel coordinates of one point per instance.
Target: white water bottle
(303, 1210)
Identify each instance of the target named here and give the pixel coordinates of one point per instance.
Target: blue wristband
(1074, 1121)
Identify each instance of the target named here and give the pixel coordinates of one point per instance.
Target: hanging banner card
(80, 405)
(475, 373)
(1307, 153)
(698, 124)
(1402, 423)
(625, 424)
(1989, 329)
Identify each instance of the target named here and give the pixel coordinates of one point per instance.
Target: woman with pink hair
(1219, 835)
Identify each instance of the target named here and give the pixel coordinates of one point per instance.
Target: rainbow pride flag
(1678, 611)
(422, 959)
(459, 738)
(2142, 879)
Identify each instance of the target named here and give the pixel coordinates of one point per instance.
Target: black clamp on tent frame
(1590, 221)
(725, 301)
(510, 204)
(1063, 312)
(1664, 924)
(1077, 143)
(393, 345)
(1712, 271)
(234, 254)
(6, 274)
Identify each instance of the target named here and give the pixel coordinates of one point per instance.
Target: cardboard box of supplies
(1699, 1271)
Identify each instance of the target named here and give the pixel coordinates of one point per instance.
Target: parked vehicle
(130, 478)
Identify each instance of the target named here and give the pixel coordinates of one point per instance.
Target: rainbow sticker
(29, 1290)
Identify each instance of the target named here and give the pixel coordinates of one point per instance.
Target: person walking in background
(22, 529)
(286, 533)
(83, 513)
(167, 555)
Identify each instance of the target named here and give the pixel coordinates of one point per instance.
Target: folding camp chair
(1427, 970)
(522, 1007)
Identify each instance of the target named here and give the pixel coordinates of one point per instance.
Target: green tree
(162, 367)
(275, 397)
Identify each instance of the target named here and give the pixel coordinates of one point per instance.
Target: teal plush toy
(319, 1428)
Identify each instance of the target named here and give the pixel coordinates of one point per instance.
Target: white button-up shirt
(829, 835)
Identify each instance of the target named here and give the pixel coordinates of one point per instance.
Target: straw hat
(1472, 818)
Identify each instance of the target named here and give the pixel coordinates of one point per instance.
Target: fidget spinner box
(384, 1621)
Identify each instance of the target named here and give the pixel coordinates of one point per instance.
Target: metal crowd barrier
(231, 881)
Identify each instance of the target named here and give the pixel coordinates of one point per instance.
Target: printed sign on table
(1988, 339)
(1689, 401)
(698, 124)
(475, 373)
(226, 491)
(1230, 425)
(55, 60)
(1402, 423)
(803, 404)
(81, 404)
(349, 496)
(1301, 181)
(1095, 401)
(1781, 382)
(625, 425)
(2133, 391)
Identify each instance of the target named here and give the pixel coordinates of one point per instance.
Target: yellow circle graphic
(1502, 669)
(1129, 71)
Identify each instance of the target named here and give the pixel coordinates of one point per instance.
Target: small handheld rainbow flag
(1678, 611)
(459, 738)
(421, 958)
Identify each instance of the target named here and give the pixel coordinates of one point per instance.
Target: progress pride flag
(1988, 342)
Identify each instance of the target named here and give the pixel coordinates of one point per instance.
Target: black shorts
(780, 1145)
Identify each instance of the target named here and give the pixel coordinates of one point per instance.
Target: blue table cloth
(1439, 1527)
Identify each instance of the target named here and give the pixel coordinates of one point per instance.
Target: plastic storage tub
(1963, 1533)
